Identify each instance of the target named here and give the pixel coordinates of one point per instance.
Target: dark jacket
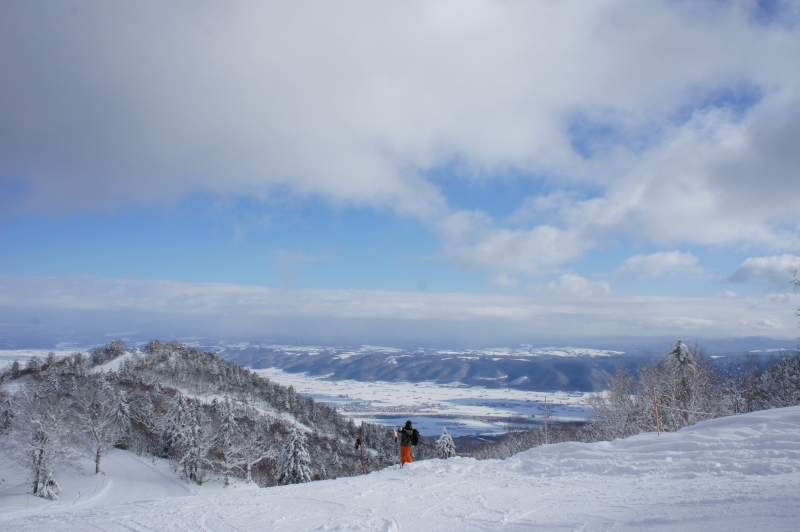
(405, 436)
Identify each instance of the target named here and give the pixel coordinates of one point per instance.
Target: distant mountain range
(525, 367)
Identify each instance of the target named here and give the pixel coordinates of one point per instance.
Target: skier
(408, 437)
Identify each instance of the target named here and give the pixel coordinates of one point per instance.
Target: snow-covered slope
(127, 478)
(737, 473)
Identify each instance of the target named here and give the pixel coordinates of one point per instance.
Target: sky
(527, 168)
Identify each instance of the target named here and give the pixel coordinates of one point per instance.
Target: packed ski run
(731, 473)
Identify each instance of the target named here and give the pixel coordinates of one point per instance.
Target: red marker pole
(655, 404)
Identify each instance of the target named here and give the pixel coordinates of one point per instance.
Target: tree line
(206, 415)
(684, 388)
(678, 390)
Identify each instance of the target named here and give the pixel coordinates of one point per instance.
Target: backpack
(414, 437)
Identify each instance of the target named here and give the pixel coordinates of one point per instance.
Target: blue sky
(599, 160)
(309, 244)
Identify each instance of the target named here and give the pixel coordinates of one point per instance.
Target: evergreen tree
(193, 458)
(294, 461)
(123, 414)
(226, 430)
(445, 447)
(174, 435)
(681, 363)
(34, 364)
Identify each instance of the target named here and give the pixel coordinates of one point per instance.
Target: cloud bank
(571, 307)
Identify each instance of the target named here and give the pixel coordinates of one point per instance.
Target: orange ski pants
(405, 455)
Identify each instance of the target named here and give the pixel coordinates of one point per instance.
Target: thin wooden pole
(361, 449)
(655, 404)
(545, 420)
(396, 452)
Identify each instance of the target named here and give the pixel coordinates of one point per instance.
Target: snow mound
(736, 473)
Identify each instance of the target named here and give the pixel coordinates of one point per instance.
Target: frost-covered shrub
(683, 386)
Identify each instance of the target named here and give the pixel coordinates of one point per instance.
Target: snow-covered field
(462, 409)
(343, 353)
(736, 473)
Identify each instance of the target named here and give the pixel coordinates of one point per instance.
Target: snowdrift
(736, 473)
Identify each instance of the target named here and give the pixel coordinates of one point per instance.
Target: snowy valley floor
(736, 473)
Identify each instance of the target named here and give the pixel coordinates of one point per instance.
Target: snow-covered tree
(256, 446)
(226, 432)
(294, 461)
(123, 415)
(185, 438)
(687, 390)
(445, 447)
(615, 415)
(34, 364)
(778, 385)
(42, 437)
(174, 435)
(243, 443)
(97, 413)
(195, 455)
(6, 413)
(680, 357)
(686, 387)
(111, 351)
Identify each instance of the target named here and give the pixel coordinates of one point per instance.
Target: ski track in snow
(735, 473)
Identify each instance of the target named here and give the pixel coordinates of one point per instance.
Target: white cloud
(474, 241)
(689, 113)
(571, 284)
(717, 181)
(503, 280)
(571, 306)
(777, 271)
(657, 264)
